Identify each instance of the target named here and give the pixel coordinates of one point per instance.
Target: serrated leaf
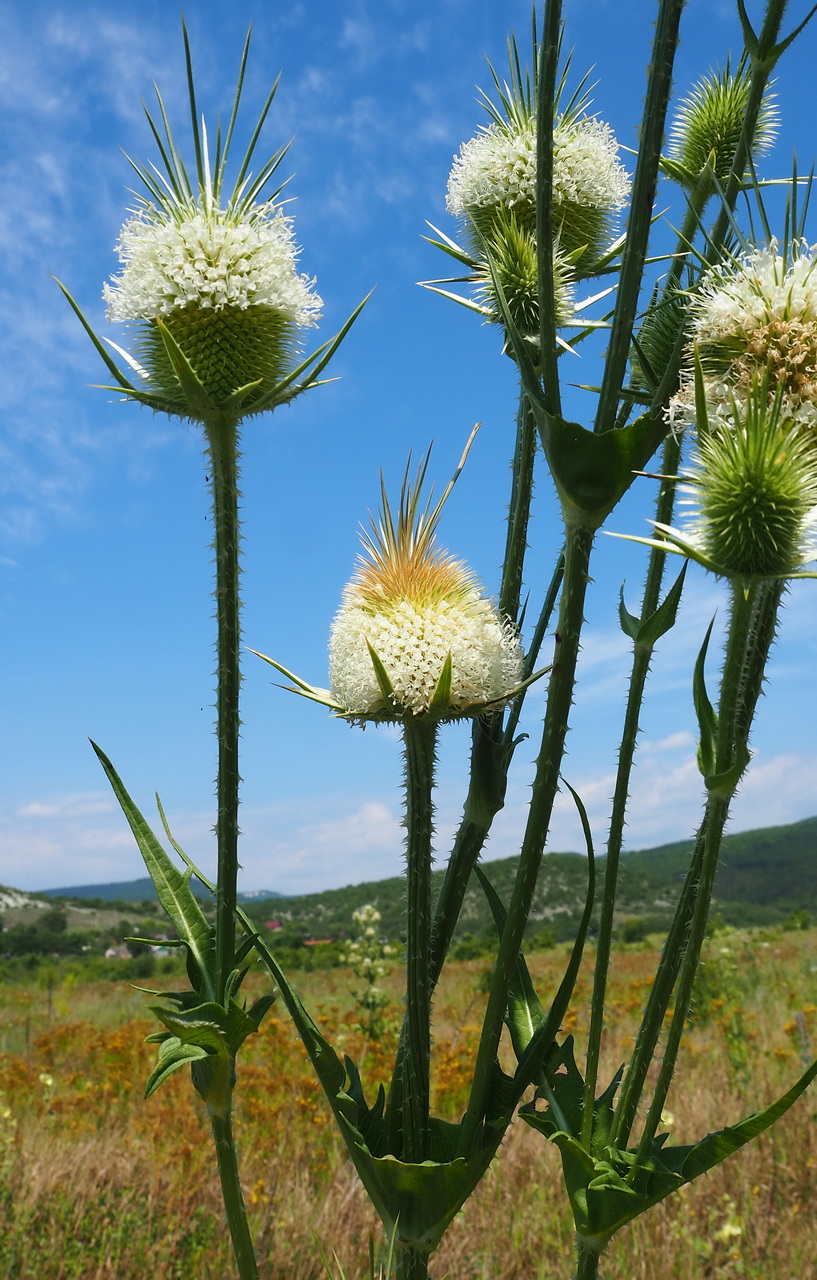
(194, 1029)
(172, 887)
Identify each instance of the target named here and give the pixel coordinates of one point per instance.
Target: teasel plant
(210, 289)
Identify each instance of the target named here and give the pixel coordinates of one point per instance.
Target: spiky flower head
(752, 320)
(414, 634)
(707, 128)
(752, 490)
(497, 170)
(209, 280)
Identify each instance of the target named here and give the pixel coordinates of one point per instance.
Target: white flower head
(414, 634)
(209, 260)
(757, 318)
(497, 169)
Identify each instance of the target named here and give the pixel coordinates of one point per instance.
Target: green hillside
(764, 876)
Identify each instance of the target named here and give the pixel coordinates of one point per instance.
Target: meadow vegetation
(96, 1184)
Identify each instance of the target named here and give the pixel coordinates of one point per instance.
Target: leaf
(650, 631)
(441, 698)
(172, 1055)
(172, 888)
(537, 1056)
(707, 719)
(382, 676)
(715, 1147)
(524, 1013)
(416, 1200)
(608, 1187)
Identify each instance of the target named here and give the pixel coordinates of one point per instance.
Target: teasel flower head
(756, 320)
(497, 170)
(705, 134)
(209, 281)
(415, 635)
(751, 490)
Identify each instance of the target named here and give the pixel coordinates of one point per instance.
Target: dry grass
(97, 1184)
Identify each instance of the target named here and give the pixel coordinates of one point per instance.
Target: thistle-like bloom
(752, 320)
(497, 169)
(706, 131)
(209, 260)
(209, 279)
(414, 634)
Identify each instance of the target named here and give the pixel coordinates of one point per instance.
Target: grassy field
(96, 1184)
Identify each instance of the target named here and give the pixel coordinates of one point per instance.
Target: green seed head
(510, 249)
(757, 492)
(227, 348)
(708, 126)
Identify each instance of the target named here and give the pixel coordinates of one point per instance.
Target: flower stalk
(222, 448)
(419, 739)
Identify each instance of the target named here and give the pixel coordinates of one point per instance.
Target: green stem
(492, 745)
(419, 736)
(751, 631)
(546, 784)
(516, 541)
(222, 443)
(639, 223)
(642, 656)
(233, 1200)
(411, 1264)
(587, 1262)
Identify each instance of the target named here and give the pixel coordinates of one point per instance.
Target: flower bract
(707, 129)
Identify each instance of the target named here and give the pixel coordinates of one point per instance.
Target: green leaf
(524, 1013)
(418, 1200)
(172, 889)
(714, 1148)
(382, 676)
(538, 1056)
(608, 1187)
(707, 719)
(650, 631)
(172, 1055)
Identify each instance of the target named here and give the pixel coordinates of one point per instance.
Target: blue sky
(105, 617)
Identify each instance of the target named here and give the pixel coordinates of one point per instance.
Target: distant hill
(140, 891)
(763, 877)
